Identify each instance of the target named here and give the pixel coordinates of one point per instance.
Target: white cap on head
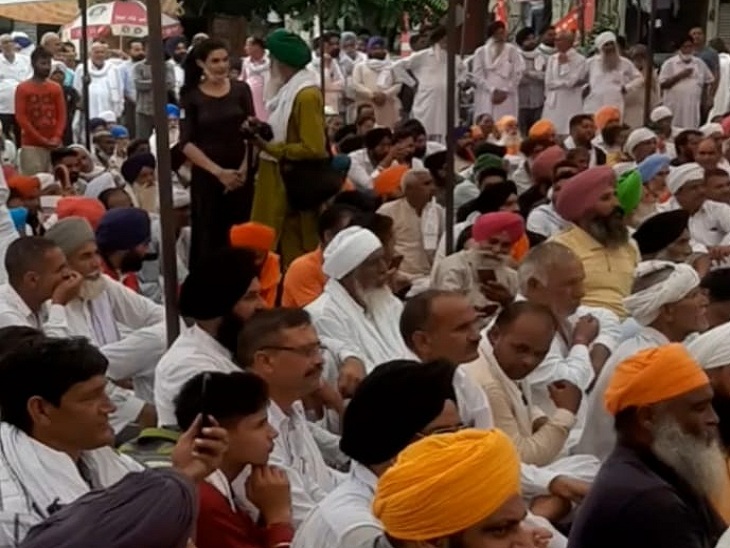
(636, 137)
(604, 38)
(659, 113)
(708, 130)
(711, 349)
(348, 250)
(681, 175)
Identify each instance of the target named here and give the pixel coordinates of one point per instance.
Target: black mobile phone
(204, 403)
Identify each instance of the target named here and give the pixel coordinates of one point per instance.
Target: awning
(57, 12)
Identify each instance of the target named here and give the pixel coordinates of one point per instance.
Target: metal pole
(582, 22)
(452, 38)
(320, 15)
(649, 73)
(86, 79)
(164, 167)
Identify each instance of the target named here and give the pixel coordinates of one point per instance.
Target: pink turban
(491, 224)
(542, 167)
(726, 125)
(580, 193)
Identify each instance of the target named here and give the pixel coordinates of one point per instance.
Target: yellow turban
(447, 483)
(652, 376)
(541, 130)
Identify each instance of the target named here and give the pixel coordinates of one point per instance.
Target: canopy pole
(86, 79)
(649, 72)
(452, 40)
(164, 168)
(320, 15)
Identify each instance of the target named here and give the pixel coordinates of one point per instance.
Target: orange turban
(604, 115)
(446, 483)
(542, 129)
(90, 209)
(388, 181)
(505, 121)
(252, 235)
(25, 187)
(652, 376)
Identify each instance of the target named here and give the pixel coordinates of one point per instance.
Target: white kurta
(599, 436)
(501, 72)
(429, 104)
(722, 96)
(563, 90)
(685, 97)
(105, 89)
(607, 86)
(12, 73)
(545, 220)
(373, 76)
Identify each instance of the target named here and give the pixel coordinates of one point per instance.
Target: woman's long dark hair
(193, 72)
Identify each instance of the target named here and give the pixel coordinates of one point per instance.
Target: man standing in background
(136, 52)
(532, 85)
(14, 68)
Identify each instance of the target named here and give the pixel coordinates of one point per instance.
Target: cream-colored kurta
(367, 78)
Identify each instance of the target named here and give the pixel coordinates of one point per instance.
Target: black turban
(660, 231)
(375, 136)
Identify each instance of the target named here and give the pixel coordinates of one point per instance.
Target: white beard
(91, 288)
(273, 84)
(375, 299)
(701, 463)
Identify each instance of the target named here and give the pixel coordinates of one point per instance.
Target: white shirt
(599, 436)
(15, 312)
(344, 518)
(296, 452)
(11, 74)
(544, 220)
(362, 171)
(194, 351)
(709, 226)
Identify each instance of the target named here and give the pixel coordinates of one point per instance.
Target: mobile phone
(486, 275)
(395, 262)
(205, 403)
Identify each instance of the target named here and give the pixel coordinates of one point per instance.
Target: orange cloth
(520, 248)
(388, 181)
(604, 115)
(81, 206)
(252, 235)
(541, 130)
(437, 486)
(652, 376)
(269, 278)
(40, 111)
(304, 280)
(24, 186)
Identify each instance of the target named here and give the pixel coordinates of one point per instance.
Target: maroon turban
(543, 165)
(491, 224)
(580, 193)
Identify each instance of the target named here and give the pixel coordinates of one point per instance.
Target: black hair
(331, 217)
(229, 397)
(494, 26)
(264, 329)
(351, 143)
(415, 126)
(578, 119)
(512, 312)
(201, 52)
(58, 154)
(403, 133)
(258, 41)
(464, 236)
(40, 54)
(522, 36)
(417, 311)
(26, 254)
(716, 283)
(46, 368)
(134, 146)
(105, 196)
(490, 148)
(438, 34)
(380, 225)
(682, 139)
(68, 45)
(137, 40)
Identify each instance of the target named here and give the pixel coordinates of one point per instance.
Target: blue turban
(22, 41)
(133, 165)
(122, 229)
(172, 43)
(376, 42)
(119, 132)
(19, 215)
(652, 165)
(173, 111)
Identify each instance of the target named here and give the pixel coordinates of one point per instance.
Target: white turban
(708, 130)
(659, 113)
(108, 116)
(348, 250)
(636, 137)
(603, 39)
(644, 306)
(99, 184)
(680, 176)
(712, 348)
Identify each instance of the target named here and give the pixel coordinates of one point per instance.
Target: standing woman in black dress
(213, 109)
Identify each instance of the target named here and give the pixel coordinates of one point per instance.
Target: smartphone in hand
(486, 275)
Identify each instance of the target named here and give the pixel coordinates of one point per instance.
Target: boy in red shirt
(238, 401)
(40, 111)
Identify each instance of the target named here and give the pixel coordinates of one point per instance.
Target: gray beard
(91, 288)
(611, 231)
(701, 463)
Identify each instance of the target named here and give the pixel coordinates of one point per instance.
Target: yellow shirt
(609, 272)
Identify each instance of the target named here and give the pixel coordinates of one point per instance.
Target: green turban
(288, 48)
(488, 161)
(628, 191)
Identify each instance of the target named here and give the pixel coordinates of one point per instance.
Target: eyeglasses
(306, 351)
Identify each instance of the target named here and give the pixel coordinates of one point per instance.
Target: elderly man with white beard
(357, 308)
(610, 76)
(669, 305)
(685, 80)
(655, 487)
(103, 306)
